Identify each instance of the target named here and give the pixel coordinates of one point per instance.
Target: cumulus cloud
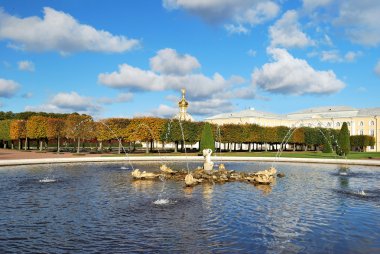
(26, 66)
(167, 75)
(135, 78)
(8, 88)
(360, 21)
(168, 61)
(240, 12)
(210, 106)
(286, 32)
(289, 75)
(122, 97)
(164, 111)
(58, 31)
(67, 103)
(377, 68)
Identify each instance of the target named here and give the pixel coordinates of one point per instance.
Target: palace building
(360, 121)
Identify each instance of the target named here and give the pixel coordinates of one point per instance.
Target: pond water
(98, 208)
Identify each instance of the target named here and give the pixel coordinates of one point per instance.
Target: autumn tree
(79, 127)
(36, 129)
(145, 129)
(55, 130)
(112, 128)
(18, 132)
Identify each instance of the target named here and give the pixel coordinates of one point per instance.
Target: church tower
(183, 104)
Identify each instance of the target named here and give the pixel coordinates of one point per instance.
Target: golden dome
(183, 102)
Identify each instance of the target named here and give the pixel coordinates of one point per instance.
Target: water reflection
(100, 209)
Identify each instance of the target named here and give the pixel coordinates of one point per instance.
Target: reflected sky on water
(99, 208)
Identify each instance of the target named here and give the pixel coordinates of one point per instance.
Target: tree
(207, 139)
(55, 130)
(79, 127)
(360, 142)
(18, 131)
(327, 146)
(5, 131)
(343, 141)
(36, 128)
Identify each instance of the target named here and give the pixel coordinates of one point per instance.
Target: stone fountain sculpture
(208, 164)
(208, 175)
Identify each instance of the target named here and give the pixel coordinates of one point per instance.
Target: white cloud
(68, 103)
(210, 106)
(330, 56)
(58, 31)
(351, 56)
(8, 88)
(137, 79)
(334, 56)
(310, 5)
(377, 68)
(168, 61)
(236, 29)
(289, 75)
(240, 12)
(286, 32)
(26, 66)
(197, 85)
(360, 21)
(164, 111)
(122, 97)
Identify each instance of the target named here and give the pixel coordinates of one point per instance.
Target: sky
(131, 58)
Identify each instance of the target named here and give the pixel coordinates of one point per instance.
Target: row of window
(338, 124)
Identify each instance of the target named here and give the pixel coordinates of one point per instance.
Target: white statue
(208, 164)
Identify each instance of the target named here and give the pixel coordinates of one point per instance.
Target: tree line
(20, 129)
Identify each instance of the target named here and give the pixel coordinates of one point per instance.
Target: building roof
(317, 112)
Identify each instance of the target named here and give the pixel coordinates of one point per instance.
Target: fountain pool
(97, 207)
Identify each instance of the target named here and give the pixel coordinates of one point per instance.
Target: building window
(337, 124)
(319, 125)
(361, 123)
(328, 124)
(372, 123)
(348, 124)
(361, 132)
(372, 132)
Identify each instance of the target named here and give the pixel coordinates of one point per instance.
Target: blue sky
(131, 58)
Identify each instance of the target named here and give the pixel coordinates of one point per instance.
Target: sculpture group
(207, 174)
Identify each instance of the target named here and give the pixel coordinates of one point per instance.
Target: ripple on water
(97, 208)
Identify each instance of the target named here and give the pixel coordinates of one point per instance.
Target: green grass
(314, 155)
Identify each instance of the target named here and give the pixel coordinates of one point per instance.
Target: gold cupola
(183, 104)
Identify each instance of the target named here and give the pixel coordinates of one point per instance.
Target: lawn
(315, 155)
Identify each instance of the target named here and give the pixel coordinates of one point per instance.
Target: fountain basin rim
(185, 158)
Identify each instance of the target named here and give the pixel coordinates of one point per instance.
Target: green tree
(207, 139)
(327, 142)
(344, 145)
(5, 131)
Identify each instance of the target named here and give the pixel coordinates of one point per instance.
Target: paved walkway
(15, 157)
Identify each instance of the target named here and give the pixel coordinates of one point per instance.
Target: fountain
(208, 175)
